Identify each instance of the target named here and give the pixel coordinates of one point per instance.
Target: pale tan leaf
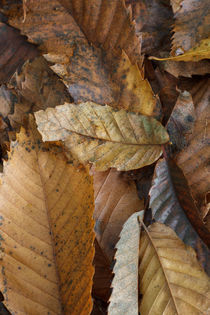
(104, 136)
(116, 200)
(46, 231)
(171, 279)
(124, 297)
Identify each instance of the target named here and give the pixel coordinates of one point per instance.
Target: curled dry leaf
(14, 51)
(171, 280)
(46, 231)
(124, 297)
(104, 136)
(116, 200)
(115, 77)
(172, 204)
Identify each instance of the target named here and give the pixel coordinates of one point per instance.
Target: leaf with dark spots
(74, 57)
(172, 204)
(181, 121)
(154, 19)
(14, 51)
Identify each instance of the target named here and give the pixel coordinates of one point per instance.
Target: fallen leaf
(104, 136)
(124, 297)
(107, 25)
(172, 204)
(115, 76)
(197, 53)
(191, 28)
(102, 276)
(32, 88)
(154, 20)
(186, 69)
(171, 280)
(116, 200)
(193, 159)
(181, 121)
(14, 51)
(46, 230)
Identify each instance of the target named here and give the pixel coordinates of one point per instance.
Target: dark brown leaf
(14, 51)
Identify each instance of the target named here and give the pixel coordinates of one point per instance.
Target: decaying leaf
(107, 25)
(46, 231)
(172, 204)
(194, 158)
(124, 298)
(199, 52)
(104, 136)
(181, 121)
(154, 20)
(32, 88)
(171, 280)
(14, 51)
(116, 200)
(115, 77)
(186, 69)
(191, 29)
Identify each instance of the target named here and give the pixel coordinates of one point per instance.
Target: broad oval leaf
(171, 279)
(172, 204)
(46, 231)
(104, 136)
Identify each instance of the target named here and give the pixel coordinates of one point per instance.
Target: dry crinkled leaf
(124, 297)
(116, 200)
(46, 231)
(197, 53)
(114, 79)
(171, 280)
(172, 204)
(191, 28)
(104, 136)
(32, 88)
(194, 158)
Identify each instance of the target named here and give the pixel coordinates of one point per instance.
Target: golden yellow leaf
(46, 231)
(197, 53)
(171, 279)
(104, 136)
(124, 297)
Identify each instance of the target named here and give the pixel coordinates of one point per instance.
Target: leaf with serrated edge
(171, 279)
(172, 204)
(104, 136)
(46, 231)
(124, 297)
